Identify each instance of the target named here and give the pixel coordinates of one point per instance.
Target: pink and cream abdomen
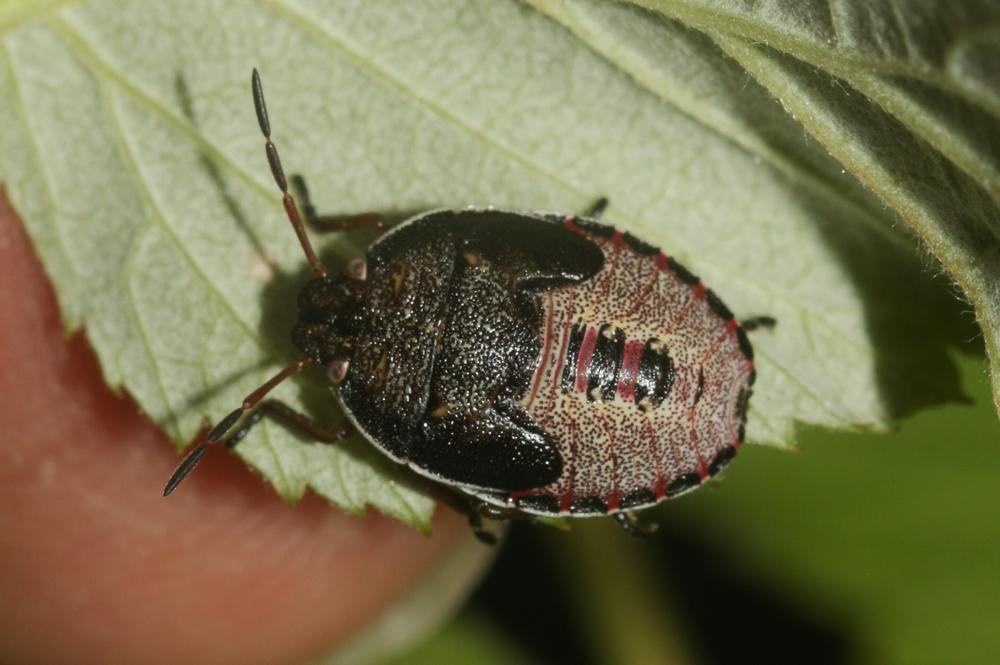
(642, 382)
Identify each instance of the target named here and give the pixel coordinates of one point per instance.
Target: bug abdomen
(601, 362)
(642, 381)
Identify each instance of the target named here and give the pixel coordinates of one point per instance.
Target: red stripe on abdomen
(583, 360)
(629, 372)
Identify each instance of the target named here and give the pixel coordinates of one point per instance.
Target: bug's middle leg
(463, 505)
(330, 223)
(290, 418)
(636, 526)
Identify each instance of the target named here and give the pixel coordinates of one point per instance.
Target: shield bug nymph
(531, 363)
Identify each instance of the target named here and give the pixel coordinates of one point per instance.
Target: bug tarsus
(482, 534)
(636, 526)
(756, 322)
(597, 209)
(463, 505)
(474, 510)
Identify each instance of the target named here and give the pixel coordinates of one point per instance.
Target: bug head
(331, 316)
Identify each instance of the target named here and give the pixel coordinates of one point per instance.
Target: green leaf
(15, 12)
(952, 46)
(132, 153)
(905, 96)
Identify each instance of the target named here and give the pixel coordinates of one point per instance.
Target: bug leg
(759, 322)
(494, 513)
(291, 419)
(463, 505)
(330, 223)
(636, 526)
(597, 209)
(482, 534)
(498, 513)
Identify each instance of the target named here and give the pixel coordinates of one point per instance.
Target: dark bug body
(450, 342)
(540, 364)
(549, 364)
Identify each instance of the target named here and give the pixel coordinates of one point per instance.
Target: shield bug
(531, 363)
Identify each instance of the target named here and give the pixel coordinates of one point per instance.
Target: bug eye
(337, 371)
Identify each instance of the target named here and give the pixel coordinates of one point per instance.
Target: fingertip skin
(96, 566)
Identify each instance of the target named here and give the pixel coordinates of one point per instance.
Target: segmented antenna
(279, 175)
(216, 434)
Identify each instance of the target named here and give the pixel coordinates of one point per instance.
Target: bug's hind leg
(636, 526)
(471, 508)
(596, 210)
(291, 419)
(329, 223)
(758, 322)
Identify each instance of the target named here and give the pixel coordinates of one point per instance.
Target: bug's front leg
(330, 223)
(290, 418)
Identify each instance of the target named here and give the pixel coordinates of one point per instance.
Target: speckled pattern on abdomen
(619, 454)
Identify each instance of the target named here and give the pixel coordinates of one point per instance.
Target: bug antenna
(279, 175)
(186, 466)
(217, 433)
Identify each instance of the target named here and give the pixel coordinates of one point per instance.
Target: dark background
(858, 548)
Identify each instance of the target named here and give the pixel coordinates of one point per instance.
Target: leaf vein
(292, 15)
(83, 46)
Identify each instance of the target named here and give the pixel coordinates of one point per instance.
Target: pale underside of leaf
(134, 158)
(954, 46)
(889, 89)
(949, 210)
(912, 58)
(15, 12)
